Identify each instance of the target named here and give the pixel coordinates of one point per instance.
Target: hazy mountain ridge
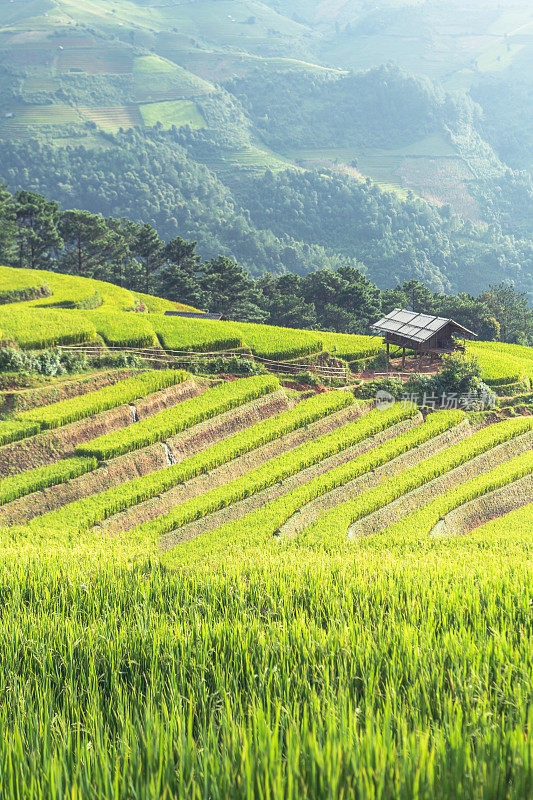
(226, 75)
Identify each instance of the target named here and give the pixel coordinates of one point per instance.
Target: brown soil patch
(413, 366)
(309, 513)
(381, 519)
(483, 509)
(163, 503)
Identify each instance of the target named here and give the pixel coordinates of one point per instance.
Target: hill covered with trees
(35, 233)
(270, 135)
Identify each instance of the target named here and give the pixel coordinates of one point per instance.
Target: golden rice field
(67, 316)
(242, 591)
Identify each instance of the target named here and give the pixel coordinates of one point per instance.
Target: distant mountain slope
(243, 87)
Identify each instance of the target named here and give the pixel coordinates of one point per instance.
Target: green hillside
(44, 322)
(40, 309)
(245, 554)
(220, 94)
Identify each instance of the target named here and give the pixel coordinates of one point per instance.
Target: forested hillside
(289, 137)
(37, 234)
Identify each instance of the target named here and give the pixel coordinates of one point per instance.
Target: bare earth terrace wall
(142, 462)
(24, 399)
(483, 509)
(154, 507)
(310, 512)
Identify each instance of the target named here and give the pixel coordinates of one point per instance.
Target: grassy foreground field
(279, 672)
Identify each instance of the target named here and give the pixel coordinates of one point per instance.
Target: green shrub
(308, 378)
(223, 366)
(119, 360)
(44, 362)
(379, 363)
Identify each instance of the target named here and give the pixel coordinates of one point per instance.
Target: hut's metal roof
(418, 327)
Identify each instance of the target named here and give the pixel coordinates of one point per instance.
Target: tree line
(35, 233)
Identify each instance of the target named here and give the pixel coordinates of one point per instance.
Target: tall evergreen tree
(86, 239)
(148, 249)
(230, 291)
(284, 302)
(37, 230)
(511, 310)
(7, 225)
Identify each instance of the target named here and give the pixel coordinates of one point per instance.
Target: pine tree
(148, 249)
(230, 291)
(37, 231)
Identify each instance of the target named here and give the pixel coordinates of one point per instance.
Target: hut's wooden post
(403, 358)
(388, 357)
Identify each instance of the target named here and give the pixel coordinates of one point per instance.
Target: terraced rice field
(56, 317)
(57, 114)
(173, 112)
(300, 467)
(250, 158)
(213, 582)
(506, 368)
(111, 118)
(96, 60)
(59, 318)
(157, 79)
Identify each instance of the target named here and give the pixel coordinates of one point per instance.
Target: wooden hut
(421, 333)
